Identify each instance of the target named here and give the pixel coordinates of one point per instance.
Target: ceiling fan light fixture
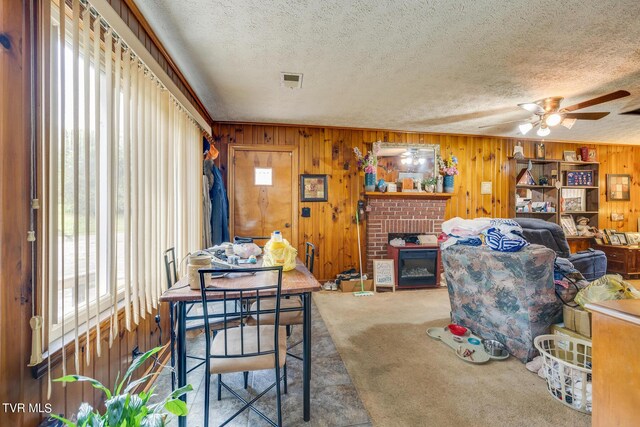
(532, 107)
(543, 131)
(553, 119)
(525, 127)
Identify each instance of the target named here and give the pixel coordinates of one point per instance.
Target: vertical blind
(120, 178)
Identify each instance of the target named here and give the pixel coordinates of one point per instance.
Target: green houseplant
(429, 184)
(124, 409)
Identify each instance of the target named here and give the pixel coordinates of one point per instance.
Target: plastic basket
(567, 368)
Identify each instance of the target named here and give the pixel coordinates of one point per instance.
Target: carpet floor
(405, 378)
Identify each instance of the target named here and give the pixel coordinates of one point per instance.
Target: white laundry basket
(567, 368)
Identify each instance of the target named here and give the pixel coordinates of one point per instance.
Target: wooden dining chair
(309, 256)
(240, 348)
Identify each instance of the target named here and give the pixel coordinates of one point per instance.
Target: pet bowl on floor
(495, 348)
(457, 329)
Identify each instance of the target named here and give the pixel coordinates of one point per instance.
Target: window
(119, 175)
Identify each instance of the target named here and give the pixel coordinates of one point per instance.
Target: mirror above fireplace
(397, 161)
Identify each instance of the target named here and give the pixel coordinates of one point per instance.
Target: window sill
(55, 353)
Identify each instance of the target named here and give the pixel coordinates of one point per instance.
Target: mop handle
(359, 249)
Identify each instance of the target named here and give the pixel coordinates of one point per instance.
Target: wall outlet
(485, 187)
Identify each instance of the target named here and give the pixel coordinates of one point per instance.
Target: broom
(362, 292)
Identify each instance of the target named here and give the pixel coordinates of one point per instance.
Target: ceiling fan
(547, 112)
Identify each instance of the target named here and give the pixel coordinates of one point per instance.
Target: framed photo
(568, 225)
(384, 274)
(313, 188)
(569, 156)
(592, 155)
(618, 187)
(599, 241)
(540, 150)
(633, 238)
(615, 240)
(623, 238)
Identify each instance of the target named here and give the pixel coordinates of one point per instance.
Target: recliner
(591, 263)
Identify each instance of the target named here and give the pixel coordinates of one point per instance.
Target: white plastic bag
(279, 253)
(245, 250)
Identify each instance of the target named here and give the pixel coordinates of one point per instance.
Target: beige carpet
(405, 378)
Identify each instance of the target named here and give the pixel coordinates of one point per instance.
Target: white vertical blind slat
(63, 34)
(86, 43)
(75, 76)
(126, 155)
(110, 141)
(97, 180)
(135, 278)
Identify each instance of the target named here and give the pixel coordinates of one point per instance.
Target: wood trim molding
(513, 139)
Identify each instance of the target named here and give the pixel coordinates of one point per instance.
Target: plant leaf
(136, 364)
(115, 409)
(176, 407)
(180, 391)
(137, 382)
(95, 383)
(85, 414)
(152, 420)
(64, 420)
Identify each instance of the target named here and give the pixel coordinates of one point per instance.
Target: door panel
(259, 208)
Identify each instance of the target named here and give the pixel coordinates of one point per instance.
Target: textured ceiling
(435, 66)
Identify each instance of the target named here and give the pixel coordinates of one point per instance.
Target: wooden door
(263, 191)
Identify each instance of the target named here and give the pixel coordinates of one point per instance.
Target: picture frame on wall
(540, 154)
(313, 188)
(618, 187)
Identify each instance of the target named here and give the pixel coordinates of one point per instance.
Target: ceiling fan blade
(586, 116)
(532, 107)
(599, 100)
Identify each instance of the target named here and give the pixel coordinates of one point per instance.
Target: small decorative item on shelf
(540, 150)
(368, 164)
(584, 153)
(439, 184)
(429, 184)
(543, 180)
(448, 169)
(382, 186)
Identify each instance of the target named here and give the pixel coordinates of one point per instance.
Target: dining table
(297, 282)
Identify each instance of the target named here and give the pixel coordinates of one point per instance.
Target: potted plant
(122, 407)
(448, 168)
(429, 184)
(368, 163)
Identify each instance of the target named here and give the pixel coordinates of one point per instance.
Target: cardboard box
(354, 285)
(560, 329)
(577, 320)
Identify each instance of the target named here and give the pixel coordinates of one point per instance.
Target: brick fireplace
(404, 214)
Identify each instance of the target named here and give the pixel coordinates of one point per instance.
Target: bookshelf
(571, 190)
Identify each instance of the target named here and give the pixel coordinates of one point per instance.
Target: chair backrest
(233, 315)
(545, 233)
(170, 266)
(309, 256)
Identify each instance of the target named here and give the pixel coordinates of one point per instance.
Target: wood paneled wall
(329, 150)
(17, 384)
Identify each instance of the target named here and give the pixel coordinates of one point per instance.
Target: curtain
(120, 179)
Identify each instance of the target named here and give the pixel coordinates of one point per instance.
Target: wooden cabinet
(554, 188)
(624, 260)
(616, 371)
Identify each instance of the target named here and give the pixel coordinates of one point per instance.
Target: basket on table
(567, 368)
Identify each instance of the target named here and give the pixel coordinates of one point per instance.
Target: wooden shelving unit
(560, 197)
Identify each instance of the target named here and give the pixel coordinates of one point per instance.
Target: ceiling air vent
(291, 80)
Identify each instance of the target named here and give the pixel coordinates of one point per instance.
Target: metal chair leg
(285, 378)
(219, 387)
(172, 335)
(278, 397)
(288, 331)
(246, 379)
(207, 389)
